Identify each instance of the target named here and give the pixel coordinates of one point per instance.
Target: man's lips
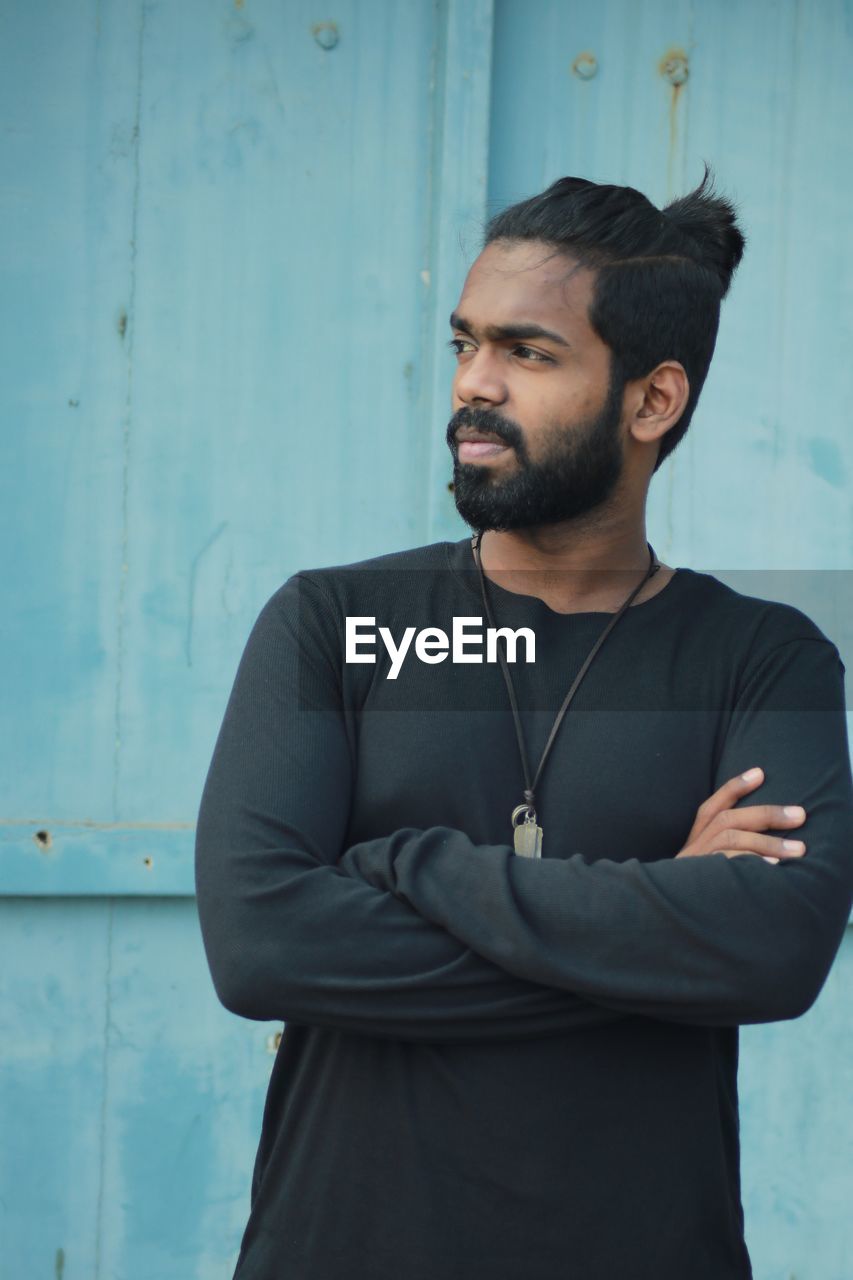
(474, 446)
(475, 450)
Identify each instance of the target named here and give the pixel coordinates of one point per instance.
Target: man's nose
(479, 378)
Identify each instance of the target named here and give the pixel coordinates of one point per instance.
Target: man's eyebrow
(498, 333)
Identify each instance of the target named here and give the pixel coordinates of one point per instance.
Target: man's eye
(526, 353)
(530, 354)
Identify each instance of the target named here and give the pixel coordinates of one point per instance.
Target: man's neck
(572, 569)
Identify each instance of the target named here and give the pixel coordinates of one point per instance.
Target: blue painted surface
(229, 256)
(130, 1100)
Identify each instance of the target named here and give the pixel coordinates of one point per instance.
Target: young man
(501, 828)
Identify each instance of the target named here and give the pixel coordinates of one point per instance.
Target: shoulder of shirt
(760, 624)
(333, 585)
(431, 556)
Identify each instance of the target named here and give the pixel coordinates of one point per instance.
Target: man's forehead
(529, 277)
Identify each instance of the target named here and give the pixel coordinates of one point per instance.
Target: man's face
(545, 421)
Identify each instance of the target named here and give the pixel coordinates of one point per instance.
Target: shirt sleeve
(708, 940)
(288, 934)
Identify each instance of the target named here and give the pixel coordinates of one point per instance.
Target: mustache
(507, 431)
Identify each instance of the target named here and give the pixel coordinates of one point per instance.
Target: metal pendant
(526, 835)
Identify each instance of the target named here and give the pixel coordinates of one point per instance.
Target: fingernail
(793, 846)
(767, 858)
(794, 811)
(751, 775)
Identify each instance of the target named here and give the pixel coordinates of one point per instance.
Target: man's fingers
(770, 849)
(757, 842)
(737, 844)
(761, 817)
(725, 797)
(739, 831)
(718, 812)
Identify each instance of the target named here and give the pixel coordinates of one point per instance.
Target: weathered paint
(233, 234)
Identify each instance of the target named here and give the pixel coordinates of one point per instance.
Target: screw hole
(43, 839)
(326, 34)
(148, 862)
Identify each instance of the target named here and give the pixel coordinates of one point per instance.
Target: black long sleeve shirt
(495, 1067)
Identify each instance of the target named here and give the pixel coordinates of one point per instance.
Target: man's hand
(721, 829)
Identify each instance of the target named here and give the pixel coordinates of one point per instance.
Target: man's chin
(479, 477)
(484, 515)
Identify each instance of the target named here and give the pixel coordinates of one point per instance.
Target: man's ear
(658, 401)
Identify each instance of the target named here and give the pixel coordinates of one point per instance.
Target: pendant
(526, 835)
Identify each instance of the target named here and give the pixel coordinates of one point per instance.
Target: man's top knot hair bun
(709, 221)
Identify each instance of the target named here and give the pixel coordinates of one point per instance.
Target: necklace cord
(522, 750)
(530, 785)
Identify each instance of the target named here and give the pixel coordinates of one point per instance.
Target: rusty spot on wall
(674, 66)
(585, 65)
(273, 1042)
(43, 839)
(59, 1264)
(326, 34)
(148, 862)
(121, 323)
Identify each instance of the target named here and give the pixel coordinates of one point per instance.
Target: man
(512, 948)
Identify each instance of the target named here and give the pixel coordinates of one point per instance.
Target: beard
(579, 468)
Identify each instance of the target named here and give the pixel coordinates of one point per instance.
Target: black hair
(661, 274)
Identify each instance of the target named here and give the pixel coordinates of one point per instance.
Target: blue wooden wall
(233, 231)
